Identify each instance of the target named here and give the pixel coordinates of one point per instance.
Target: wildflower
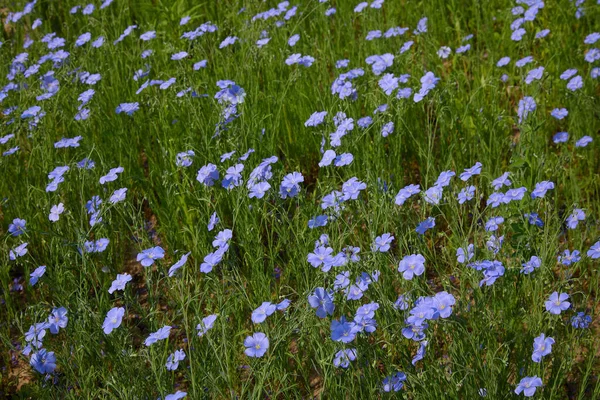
(444, 52)
(464, 255)
(148, 256)
(557, 303)
(343, 358)
(43, 361)
(581, 320)
(420, 352)
(569, 258)
(161, 334)
(322, 301)
(37, 274)
(559, 113)
(382, 243)
(493, 223)
(541, 188)
(113, 319)
(405, 193)
(574, 218)
(528, 385)
(178, 395)
(120, 282)
(206, 324)
(387, 129)
(394, 382)
(256, 345)
(533, 263)
(594, 251)
(560, 137)
(412, 265)
(584, 141)
(444, 179)
(575, 83)
(118, 196)
(17, 227)
(18, 251)
(534, 74)
(260, 314)
(290, 186)
(466, 194)
(425, 225)
(342, 330)
(526, 106)
(174, 358)
(208, 174)
(433, 195)
(321, 256)
(542, 346)
(58, 319)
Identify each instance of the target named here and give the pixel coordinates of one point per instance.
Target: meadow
(295, 200)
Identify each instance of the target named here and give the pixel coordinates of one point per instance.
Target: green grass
(470, 116)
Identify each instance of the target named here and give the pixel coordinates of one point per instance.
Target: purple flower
(256, 345)
(382, 243)
(206, 324)
(58, 319)
(469, 172)
(557, 303)
(43, 361)
(175, 267)
(343, 358)
(405, 193)
(493, 223)
(466, 194)
(208, 174)
(148, 256)
(113, 319)
(425, 225)
(261, 313)
(528, 385)
(322, 301)
(464, 255)
(581, 321)
(394, 383)
(575, 83)
(290, 186)
(559, 113)
(526, 106)
(342, 330)
(533, 263)
(574, 218)
(542, 346)
(17, 227)
(387, 129)
(584, 141)
(174, 358)
(594, 251)
(37, 274)
(412, 265)
(321, 256)
(560, 137)
(120, 282)
(541, 188)
(161, 334)
(318, 221)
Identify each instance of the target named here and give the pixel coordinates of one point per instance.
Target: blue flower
(43, 361)
(290, 186)
(113, 319)
(542, 346)
(261, 313)
(256, 345)
(174, 358)
(322, 301)
(581, 320)
(208, 174)
(148, 256)
(412, 265)
(343, 358)
(557, 303)
(58, 319)
(161, 334)
(342, 330)
(533, 263)
(17, 227)
(206, 324)
(37, 274)
(425, 225)
(528, 385)
(382, 243)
